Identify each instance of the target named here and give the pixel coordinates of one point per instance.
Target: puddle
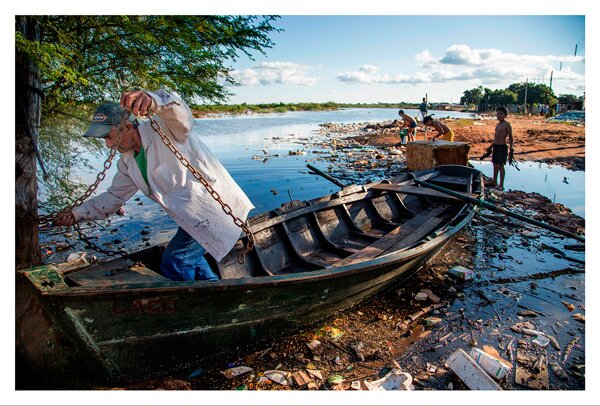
(555, 182)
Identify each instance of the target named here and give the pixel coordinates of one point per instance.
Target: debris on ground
(469, 372)
(394, 380)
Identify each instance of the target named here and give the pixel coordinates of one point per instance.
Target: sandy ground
(535, 138)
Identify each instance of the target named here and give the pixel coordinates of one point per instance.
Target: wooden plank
(310, 259)
(455, 180)
(119, 272)
(393, 237)
(330, 244)
(418, 191)
(416, 235)
(470, 184)
(312, 208)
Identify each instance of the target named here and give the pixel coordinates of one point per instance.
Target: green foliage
(473, 96)
(513, 94)
(262, 108)
(501, 96)
(87, 60)
(536, 93)
(568, 98)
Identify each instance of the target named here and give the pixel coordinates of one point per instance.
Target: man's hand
(138, 102)
(64, 219)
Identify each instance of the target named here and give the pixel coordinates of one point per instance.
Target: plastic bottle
(490, 364)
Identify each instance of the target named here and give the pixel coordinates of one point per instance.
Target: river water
(255, 150)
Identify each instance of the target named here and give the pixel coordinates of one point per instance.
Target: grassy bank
(284, 107)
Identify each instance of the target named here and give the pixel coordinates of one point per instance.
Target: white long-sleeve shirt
(172, 185)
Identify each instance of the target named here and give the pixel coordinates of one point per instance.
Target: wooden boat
(312, 259)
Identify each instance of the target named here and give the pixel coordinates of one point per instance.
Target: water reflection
(236, 139)
(555, 182)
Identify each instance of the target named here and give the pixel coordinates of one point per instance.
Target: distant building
(447, 106)
(574, 105)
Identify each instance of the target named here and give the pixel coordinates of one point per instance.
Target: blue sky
(400, 58)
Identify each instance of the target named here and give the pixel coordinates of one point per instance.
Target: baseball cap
(106, 117)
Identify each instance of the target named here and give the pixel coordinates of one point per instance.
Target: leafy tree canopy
(536, 93)
(568, 98)
(472, 96)
(87, 60)
(513, 94)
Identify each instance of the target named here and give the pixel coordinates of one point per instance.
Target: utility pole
(551, 74)
(426, 102)
(525, 101)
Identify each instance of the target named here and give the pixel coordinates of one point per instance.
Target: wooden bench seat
(402, 236)
(418, 191)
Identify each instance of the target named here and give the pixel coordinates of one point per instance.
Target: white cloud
(461, 55)
(369, 76)
(276, 72)
(369, 69)
(575, 87)
(426, 60)
(461, 62)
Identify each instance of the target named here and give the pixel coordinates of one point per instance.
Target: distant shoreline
(200, 111)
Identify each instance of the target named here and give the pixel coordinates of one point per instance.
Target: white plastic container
(462, 273)
(469, 372)
(490, 364)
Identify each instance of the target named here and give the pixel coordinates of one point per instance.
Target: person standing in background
(423, 108)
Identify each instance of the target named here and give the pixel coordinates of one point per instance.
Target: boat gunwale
(265, 281)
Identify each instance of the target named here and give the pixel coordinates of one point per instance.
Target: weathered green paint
(132, 331)
(45, 278)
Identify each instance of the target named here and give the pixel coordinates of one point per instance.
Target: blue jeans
(183, 260)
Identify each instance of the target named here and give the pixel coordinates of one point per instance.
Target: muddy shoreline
(536, 139)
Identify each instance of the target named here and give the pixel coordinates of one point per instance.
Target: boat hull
(142, 330)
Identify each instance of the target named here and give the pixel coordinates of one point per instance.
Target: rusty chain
(49, 218)
(214, 194)
(44, 219)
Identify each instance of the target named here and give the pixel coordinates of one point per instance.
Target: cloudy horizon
(357, 58)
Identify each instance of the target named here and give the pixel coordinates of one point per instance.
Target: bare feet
(491, 184)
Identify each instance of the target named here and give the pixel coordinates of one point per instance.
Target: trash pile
(571, 115)
(496, 309)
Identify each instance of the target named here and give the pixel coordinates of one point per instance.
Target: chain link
(49, 218)
(214, 194)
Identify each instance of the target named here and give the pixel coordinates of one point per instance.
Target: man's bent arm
(174, 112)
(107, 203)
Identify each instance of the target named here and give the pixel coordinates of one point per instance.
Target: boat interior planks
(413, 229)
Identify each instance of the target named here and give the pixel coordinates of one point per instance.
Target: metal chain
(85, 239)
(226, 208)
(49, 218)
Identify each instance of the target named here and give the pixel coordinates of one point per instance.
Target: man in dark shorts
(499, 148)
(409, 122)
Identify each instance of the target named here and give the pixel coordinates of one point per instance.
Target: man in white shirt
(147, 164)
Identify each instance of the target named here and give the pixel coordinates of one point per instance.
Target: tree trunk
(28, 113)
